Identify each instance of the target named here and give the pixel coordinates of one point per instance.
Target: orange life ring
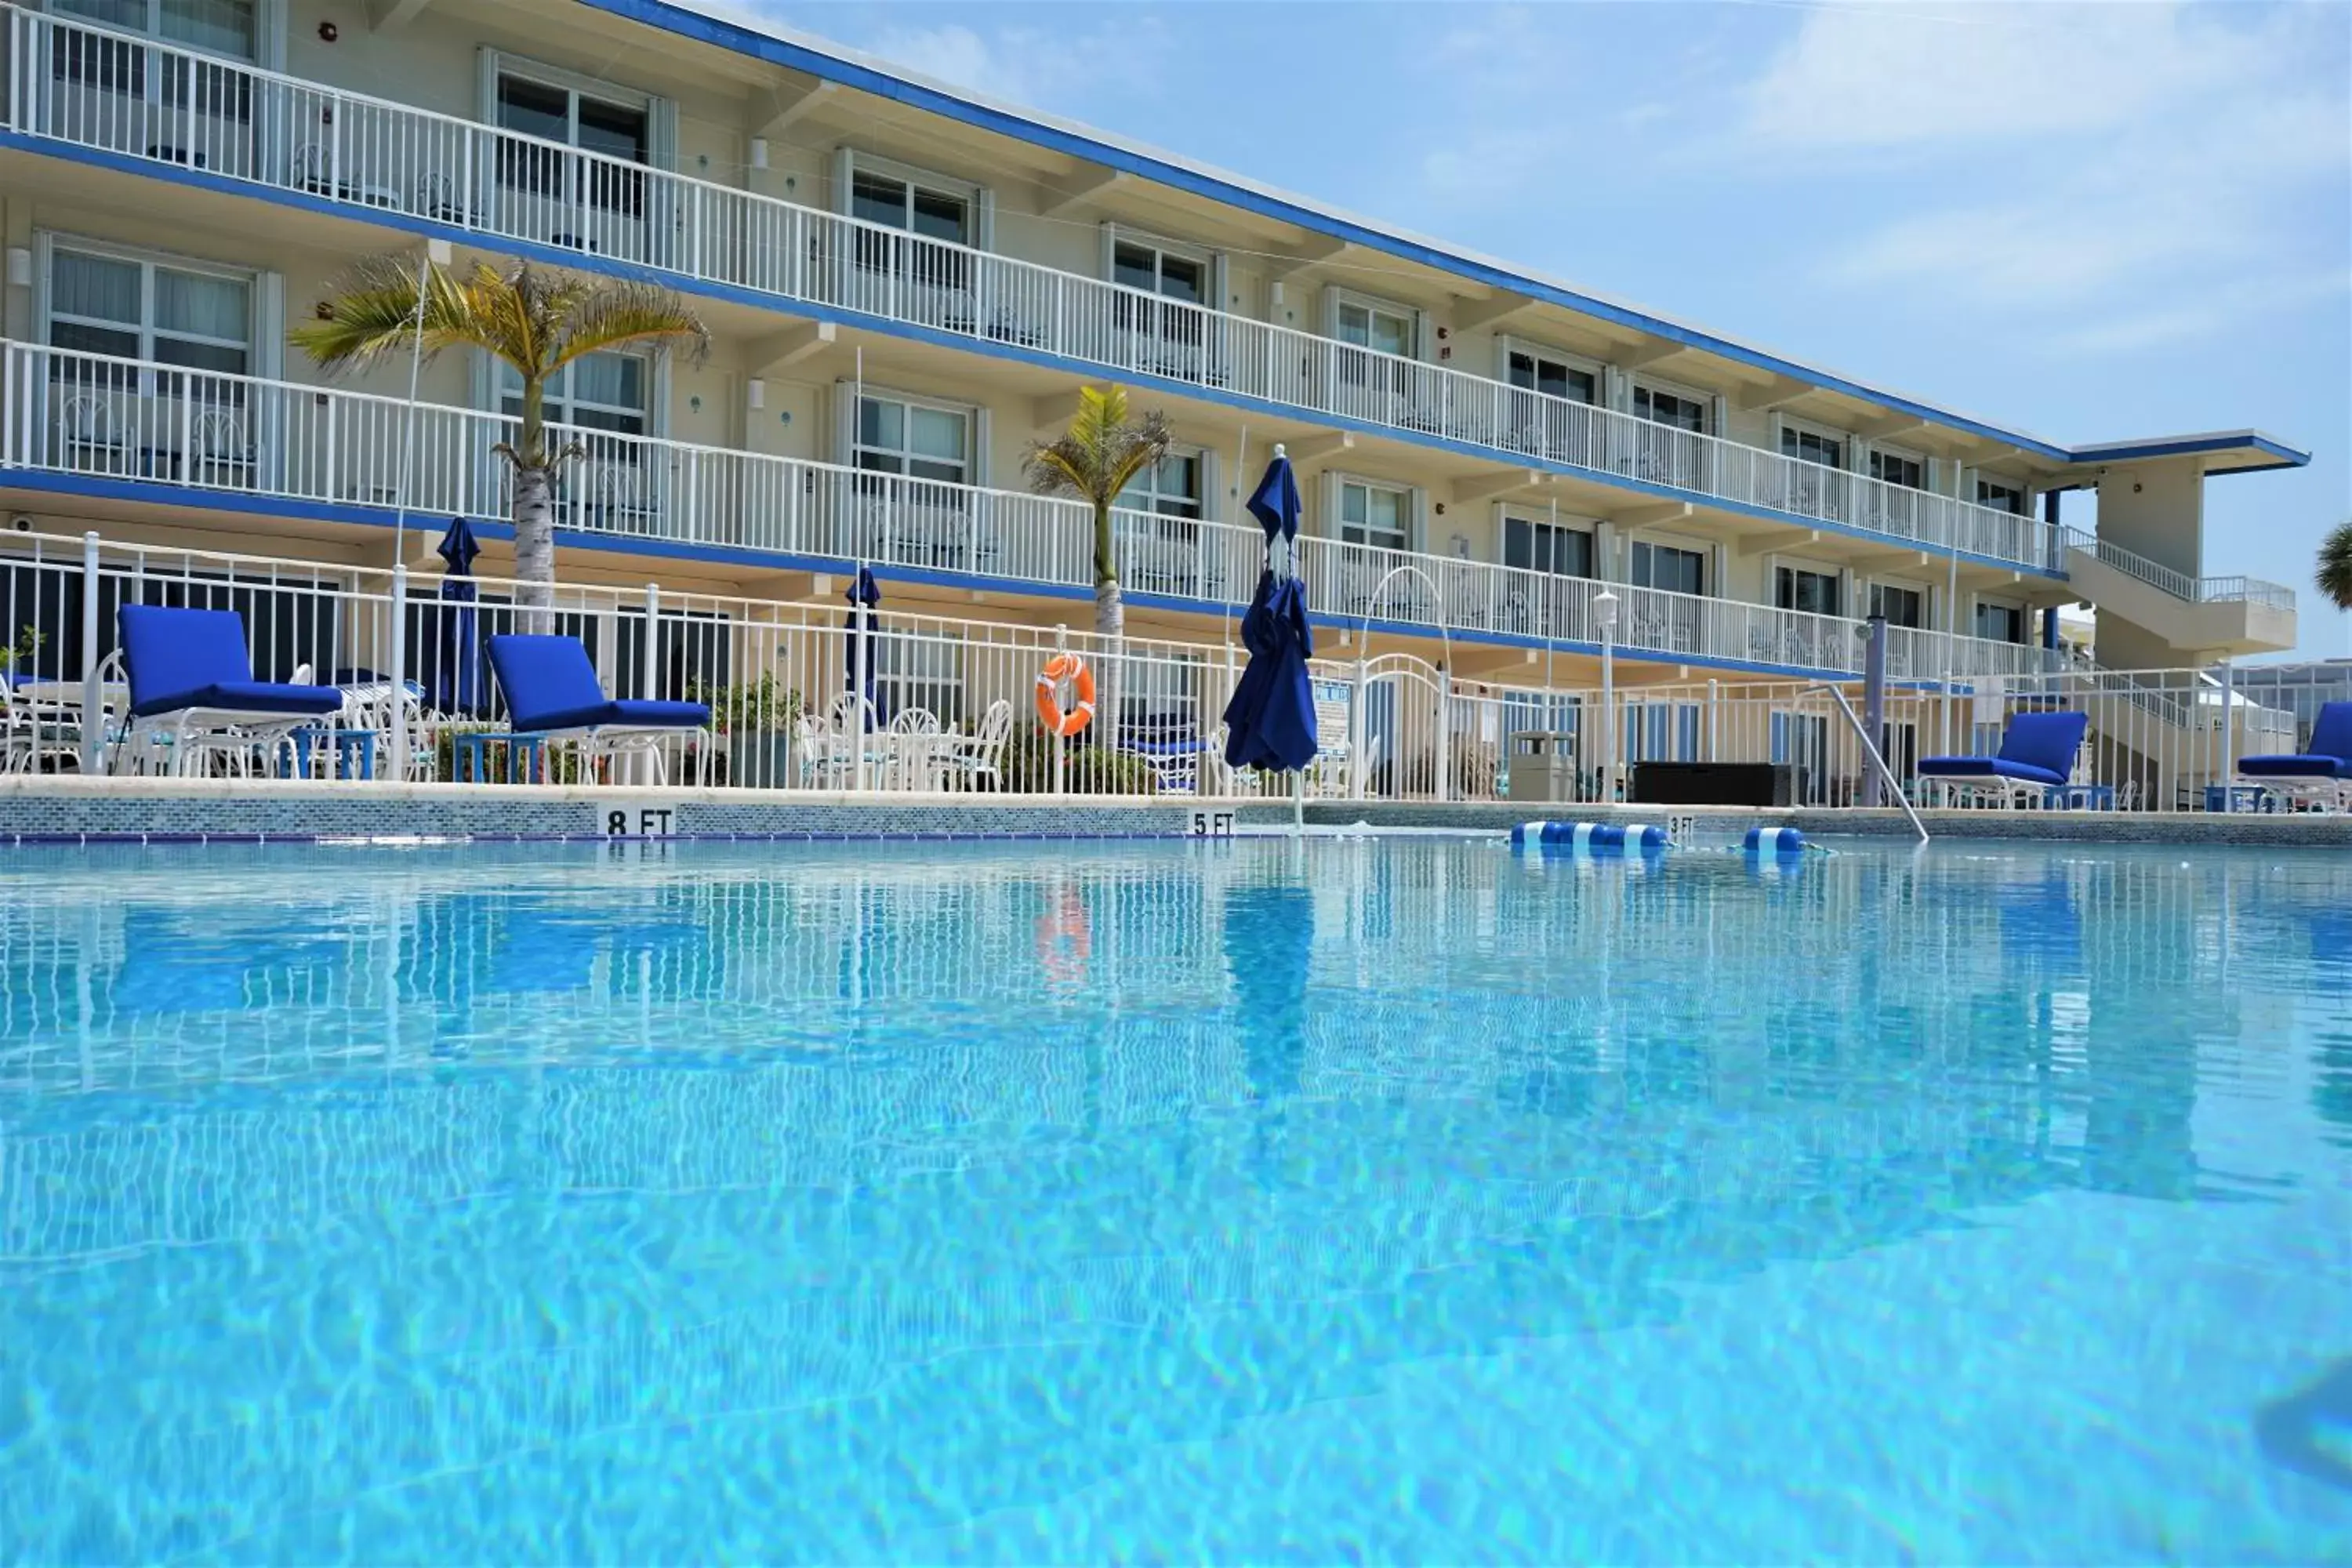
(1066, 666)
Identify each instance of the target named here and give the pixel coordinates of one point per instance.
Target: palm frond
(2334, 574)
(614, 315)
(1101, 453)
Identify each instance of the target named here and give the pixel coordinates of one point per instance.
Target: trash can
(1540, 766)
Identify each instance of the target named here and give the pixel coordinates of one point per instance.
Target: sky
(2091, 222)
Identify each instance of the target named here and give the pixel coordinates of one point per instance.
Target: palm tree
(1095, 460)
(536, 321)
(2335, 575)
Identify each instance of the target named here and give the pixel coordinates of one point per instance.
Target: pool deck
(69, 809)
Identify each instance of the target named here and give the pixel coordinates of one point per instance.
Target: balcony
(135, 99)
(2212, 615)
(63, 412)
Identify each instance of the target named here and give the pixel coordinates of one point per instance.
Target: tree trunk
(1110, 610)
(534, 543)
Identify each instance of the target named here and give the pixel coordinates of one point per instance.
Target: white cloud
(1061, 69)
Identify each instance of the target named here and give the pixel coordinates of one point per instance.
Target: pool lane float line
(1774, 841)
(1591, 837)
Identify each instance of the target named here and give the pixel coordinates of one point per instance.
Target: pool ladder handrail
(1870, 750)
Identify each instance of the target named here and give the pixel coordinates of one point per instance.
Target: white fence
(131, 96)
(948, 703)
(68, 412)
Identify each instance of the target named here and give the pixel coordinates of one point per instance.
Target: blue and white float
(1773, 841)
(1591, 838)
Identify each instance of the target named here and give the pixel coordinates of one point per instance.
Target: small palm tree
(535, 322)
(1095, 460)
(2333, 577)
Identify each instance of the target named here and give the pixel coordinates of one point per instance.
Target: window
(923, 441)
(214, 26)
(1536, 371)
(1370, 327)
(1669, 408)
(1171, 489)
(136, 309)
(1155, 272)
(1375, 515)
(2001, 497)
(600, 391)
(1664, 566)
(1898, 469)
(908, 205)
(2000, 623)
(1547, 547)
(1901, 606)
(615, 130)
(1812, 446)
(1796, 588)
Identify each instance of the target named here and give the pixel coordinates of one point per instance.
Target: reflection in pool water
(1378, 1199)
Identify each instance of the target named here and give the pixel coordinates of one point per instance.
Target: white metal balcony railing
(64, 411)
(2180, 585)
(100, 89)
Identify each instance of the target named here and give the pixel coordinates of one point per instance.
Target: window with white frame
(2002, 496)
(1821, 447)
(939, 218)
(1806, 588)
(1901, 606)
(1534, 545)
(1898, 468)
(230, 29)
(921, 440)
(1667, 566)
(936, 210)
(616, 125)
(606, 392)
(1378, 329)
(1170, 488)
(136, 307)
(1999, 622)
(1144, 264)
(1537, 369)
(1375, 515)
(1661, 406)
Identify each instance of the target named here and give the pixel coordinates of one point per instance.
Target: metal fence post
(93, 708)
(2228, 731)
(396, 677)
(649, 669)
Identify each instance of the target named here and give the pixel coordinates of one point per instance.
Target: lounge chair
(2322, 772)
(552, 693)
(2037, 755)
(192, 695)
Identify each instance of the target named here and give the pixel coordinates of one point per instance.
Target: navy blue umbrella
(865, 629)
(1270, 722)
(457, 664)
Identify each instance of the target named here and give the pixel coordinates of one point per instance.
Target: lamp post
(1604, 612)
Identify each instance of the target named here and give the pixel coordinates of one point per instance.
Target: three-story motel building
(905, 285)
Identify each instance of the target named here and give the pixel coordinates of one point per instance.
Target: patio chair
(2037, 754)
(2320, 774)
(192, 695)
(552, 693)
(976, 757)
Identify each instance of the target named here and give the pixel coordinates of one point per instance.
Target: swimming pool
(1337, 1200)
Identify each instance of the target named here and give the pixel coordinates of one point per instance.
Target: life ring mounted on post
(1064, 667)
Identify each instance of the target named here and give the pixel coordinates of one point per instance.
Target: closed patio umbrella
(1270, 721)
(864, 627)
(457, 663)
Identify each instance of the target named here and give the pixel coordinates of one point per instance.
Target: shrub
(1028, 766)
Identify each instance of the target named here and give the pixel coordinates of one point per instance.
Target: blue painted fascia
(588, 262)
(425, 523)
(737, 38)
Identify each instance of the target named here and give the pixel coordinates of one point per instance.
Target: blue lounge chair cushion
(2300, 766)
(1988, 768)
(2036, 748)
(623, 713)
(180, 660)
(551, 685)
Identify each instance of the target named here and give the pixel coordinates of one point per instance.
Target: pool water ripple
(1330, 1202)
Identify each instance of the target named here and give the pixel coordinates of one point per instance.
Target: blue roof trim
(2281, 454)
(425, 524)
(739, 39)
(588, 262)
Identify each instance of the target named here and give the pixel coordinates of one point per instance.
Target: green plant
(1028, 766)
(1095, 460)
(562, 761)
(535, 323)
(25, 647)
(2334, 576)
(754, 705)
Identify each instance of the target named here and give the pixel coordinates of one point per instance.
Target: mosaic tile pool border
(156, 811)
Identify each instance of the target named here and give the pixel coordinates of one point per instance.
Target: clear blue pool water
(1343, 1201)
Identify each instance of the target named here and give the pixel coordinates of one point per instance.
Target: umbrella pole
(1298, 802)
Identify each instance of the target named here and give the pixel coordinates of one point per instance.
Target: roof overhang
(2216, 451)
